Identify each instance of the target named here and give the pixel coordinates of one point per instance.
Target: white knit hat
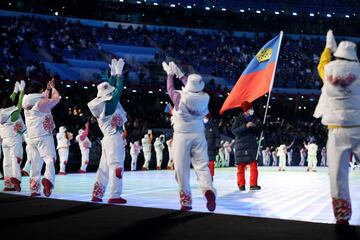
(347, 50)
(194, 83)
(104, 89)
(62, 129)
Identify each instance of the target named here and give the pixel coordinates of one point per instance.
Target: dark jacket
(212, 135)
(245, 140)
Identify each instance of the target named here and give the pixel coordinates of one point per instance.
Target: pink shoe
(81, 171)
(96, 199)
(210, 198)
(185, 208)
(48, 186)
(119, 200)
(144, 169)
(16, 183)
(61, 173)
(158, 168)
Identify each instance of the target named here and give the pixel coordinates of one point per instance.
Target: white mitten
(22, 86)
(330, 41)
(16, 87)
(167, 68)
(113, 67)
(119, 66)
(176, 70)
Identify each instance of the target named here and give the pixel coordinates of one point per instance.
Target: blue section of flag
(255, 65)
(168, 108)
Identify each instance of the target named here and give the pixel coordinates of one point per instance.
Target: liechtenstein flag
(258, 77)
(168, 109)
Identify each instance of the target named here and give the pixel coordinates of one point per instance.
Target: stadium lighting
(347, 16)
(223, 9)
(138, 2)
(172, 5)
(294, 14)
(85, 87)
(300, 107)
(68, 85)
(7, 80)
(328, 15)
(9, 3)
(66, 97)
(93, 85)
(242, 10)
(258, 11)
(304, 107)
(134, 90)
(159, 89)
(155, 4)
(150, 92)
(56, 14)
(277, 13)
(188, 6)
(312, 15)
(220, 95)
(121, 0)
(207, 8)
(290, 98)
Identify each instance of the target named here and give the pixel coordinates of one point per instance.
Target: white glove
(22, 86)
(119, 66)
(167, 69)
(16, 87)
(176, 70)
(330, 41)
(113, 67)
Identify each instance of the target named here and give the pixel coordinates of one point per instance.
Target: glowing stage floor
(293, 195)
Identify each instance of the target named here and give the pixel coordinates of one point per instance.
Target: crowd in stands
(27, 41)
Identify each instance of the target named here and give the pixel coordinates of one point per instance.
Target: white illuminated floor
(294, 194)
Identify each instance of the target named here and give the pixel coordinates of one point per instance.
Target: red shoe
(34, 194)
(119, 200)
(210, 198)
(24, 173)
(81, 171)
(61, 173)
(16, 183)
(7, 189)
(144, 169)
(185, 208)
(48, 186)
(158, 168)
(170, 168)
(96, 199)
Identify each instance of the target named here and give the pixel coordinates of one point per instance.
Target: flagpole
(268, 99)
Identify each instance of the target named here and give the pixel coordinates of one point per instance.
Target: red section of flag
(249, 87)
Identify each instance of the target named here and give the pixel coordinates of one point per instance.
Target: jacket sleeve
(324, 59)
(238, 127)
(110, 106)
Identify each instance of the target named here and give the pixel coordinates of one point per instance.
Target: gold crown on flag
(264, 55)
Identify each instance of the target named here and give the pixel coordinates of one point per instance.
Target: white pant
(27, 165)
(342, 142)
(170, 162)
(186, 148)
(40, 150)
(227, 159)
(133, 161)
(312, 162)
(282, 161)
(147, 157)
(84, 158)
(13, 154)
(111, 167)
(275, 161)
(63, 155)
(323, 161)
(159, 157)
